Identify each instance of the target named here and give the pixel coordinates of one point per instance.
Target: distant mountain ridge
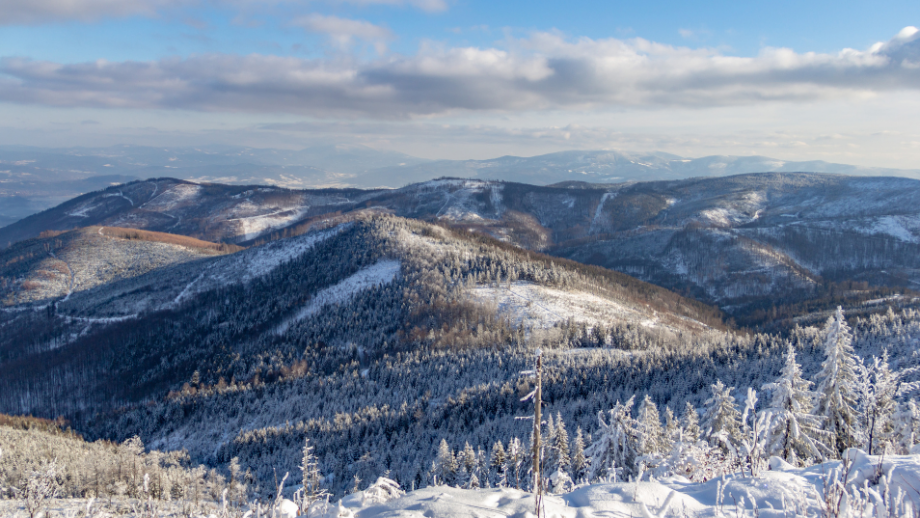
(33, 179)
(617, 167)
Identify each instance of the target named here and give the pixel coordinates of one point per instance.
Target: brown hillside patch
(163, 237)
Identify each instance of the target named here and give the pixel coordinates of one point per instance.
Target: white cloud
(41, 11)
(425, 5)
(542, 72)
(343, 31)
(33, 12)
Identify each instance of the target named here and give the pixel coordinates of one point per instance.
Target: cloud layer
(543, 72)
(33, 12)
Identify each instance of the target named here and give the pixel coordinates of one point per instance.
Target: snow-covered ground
(876, 487)
(379, 273)
(461, 201)
(541, 307)
(781, 492)
(904, 227)
(177, 195)
(254, 218)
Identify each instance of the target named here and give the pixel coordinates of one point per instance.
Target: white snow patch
(541, 307)
(175, 195)
(261, 260)
(119, 195)
(896, 226)
(600, 209)
(382, 272)
(252, 226)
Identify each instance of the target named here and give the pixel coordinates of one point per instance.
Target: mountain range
(235, 321)
(747, 243)
(33, 179)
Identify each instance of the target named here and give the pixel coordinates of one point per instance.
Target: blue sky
(468, 78)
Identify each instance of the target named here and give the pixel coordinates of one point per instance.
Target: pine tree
(793, 433)
(613, 453)
(549, 439)
(514, 462)
(721, 420)
(579, 461)
(311, 478)
(560, 446)
(690, 423)
(906, 427)
(671, 428)
(881, 387)
(753, 425)
(837, 381)
(466, 464)
(497, 464)
(651, 436)
(445, 465)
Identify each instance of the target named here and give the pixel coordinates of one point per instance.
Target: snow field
(541, 307)
(382, 272)
(254, 225)
(178, 194)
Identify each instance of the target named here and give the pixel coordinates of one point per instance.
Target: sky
(836, 81)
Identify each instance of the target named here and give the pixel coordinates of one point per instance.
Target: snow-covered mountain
(211, 212)
(748, 243)
(34, 179)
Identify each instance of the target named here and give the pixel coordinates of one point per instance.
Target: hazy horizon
(451, 79)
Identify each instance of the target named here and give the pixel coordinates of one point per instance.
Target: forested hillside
(766, 248)
(377, 338)
(258, 310)
(59, 264)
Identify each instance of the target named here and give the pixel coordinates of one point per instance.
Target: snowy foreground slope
(875, 487)
(777, 493)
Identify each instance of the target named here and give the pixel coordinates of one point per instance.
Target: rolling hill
(748, 243)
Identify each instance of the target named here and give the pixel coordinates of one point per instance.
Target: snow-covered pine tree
(579, 461)
(753, 426)
(690, 424)
(445, 465)
(721, 421)
(671, 428)
(837, 382)
(482, 467)
(906, 427)
(793, 433)
(497, 465)
(613, 453)
(878, 404)
(466, 465)
(514, 463)
(311, 478)
(650, 435)
(549, 439)
(560, 446)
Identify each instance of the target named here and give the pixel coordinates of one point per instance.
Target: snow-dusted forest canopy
(395, 348)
